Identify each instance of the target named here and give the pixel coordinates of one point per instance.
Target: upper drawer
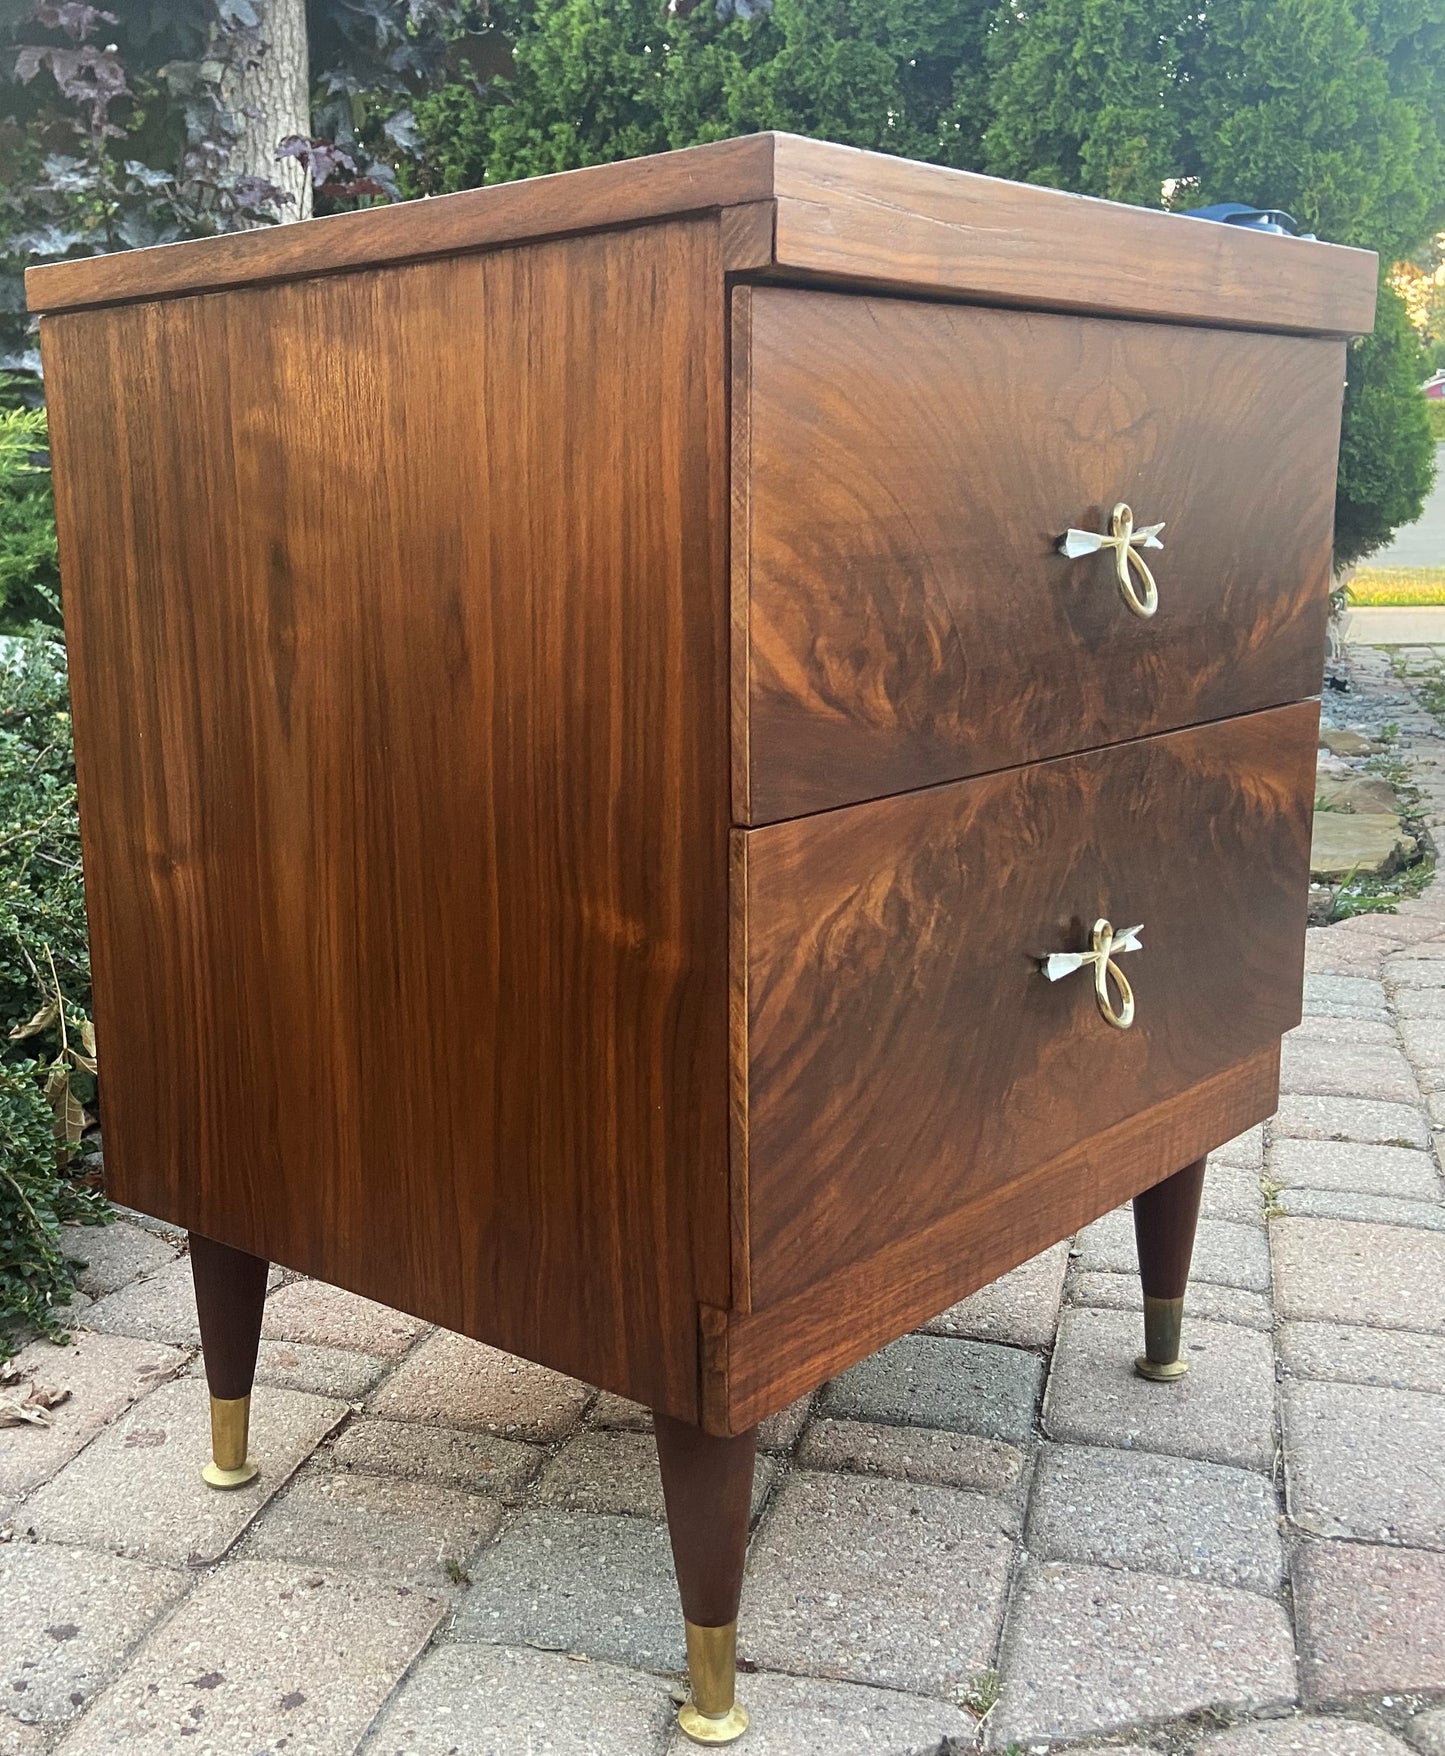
(902, 473)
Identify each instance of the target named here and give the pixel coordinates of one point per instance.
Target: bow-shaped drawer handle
(1106, 946)
(1126, 543)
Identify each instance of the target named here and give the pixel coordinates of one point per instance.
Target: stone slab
(1021, 1308)
(473, 1700)
(162, 1307)
(1428, 1731)
(70, 1617)
(600, 1471)
(1222, 1410)
(810, 1716)
(137, 1489)
(326, 1316)
(1089, 1650)
(104, 1374)
(865, 1580)
(1344, 1354)
(1420, 1002)
(1156, 1515)
(18, 1739)
(1364, 1071)
(933, 1381)
(417, 1531)
(1385, 1210)
(612, 1410)
(1233, 1192)
(263, 1657)
(1358, 792)
(1344, 997)
(324, 1371)
(570, 1582)
(1344, 1272)
(1424, 1040)
(1365, 1462)
(1310, 1736)
(780, 1432)
(1371, 1620)
(114, 1255)
(1225, 1254)
(1346, 1118)
(457, 1382)
(1247, 1149)
(1415, 971)
(478, 1462)
(1341, 1031)
(1212, 1304)
(912, 1454)
(1351, 1167)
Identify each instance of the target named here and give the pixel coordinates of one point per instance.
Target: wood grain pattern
(842, 215)
(1166, 1218)
(754, 1365)
(397, 616)
(901, 474)
(906, 1057)
(870, 218)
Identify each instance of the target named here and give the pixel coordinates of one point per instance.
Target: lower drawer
(900, 1053)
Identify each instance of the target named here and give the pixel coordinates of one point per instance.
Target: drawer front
(902, 472)
(905, 1056)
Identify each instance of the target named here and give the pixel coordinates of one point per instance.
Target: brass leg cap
(703, 1728)
(216, 1477)
(1160, 1371)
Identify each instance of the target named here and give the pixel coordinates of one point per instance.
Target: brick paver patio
(990, 1536)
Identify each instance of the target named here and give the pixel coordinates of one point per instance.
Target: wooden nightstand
(588, 742)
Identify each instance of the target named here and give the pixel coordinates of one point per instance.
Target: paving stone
(1386, 1210)
(1344, 997)
(1366, 1462)
(137, 1490)
(931, 1381)
(1415, 972)
(263, 1657)
(325, 1371)
(1214, 1304)
(780, 1432)
(104, 1374)
(1222, 1410)
(1428, 1731)
(866, 1580)
(1424, 1040)
(1420, 1002)
(1342, 1031)
(598, 1471)
(70, 1618)
(1233, 1192)
(1371, 1620)
(1367, 1071)
(912, 1454)
(792, 1715)
(1245, 1149)
(1344, 1272)
(458, 1382)
(113, 1255)
(479, 1462)
(18, 1739)
(503, 1701)
(568, 1582)
(1327, 954)
(1347, 1355)
(1021, 1308)
(161, 1307)
(311, 1311)
(1302, 1737)
(411, 1530)
(611, 1410)
(148, 1222)
(1089, 1650)
(1344, 1118)
(1348, 1166)
(1156, 1515)
(1225, 1254)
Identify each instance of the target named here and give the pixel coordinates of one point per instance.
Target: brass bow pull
(1107, 945)
(1126, 543)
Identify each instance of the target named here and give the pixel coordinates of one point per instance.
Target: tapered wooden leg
(707, 1484)
(1164, 1221)
(230, 1291)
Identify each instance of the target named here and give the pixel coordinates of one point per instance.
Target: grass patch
(1396, 586)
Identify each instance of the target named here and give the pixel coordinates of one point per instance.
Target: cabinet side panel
(397, 612)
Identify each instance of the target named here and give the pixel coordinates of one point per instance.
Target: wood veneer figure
(736, 625)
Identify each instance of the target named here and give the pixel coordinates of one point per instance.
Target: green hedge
(1436, 412)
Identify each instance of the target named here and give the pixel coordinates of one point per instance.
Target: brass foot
(230, 1467)
(1163, 1322)
(713, 1716)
